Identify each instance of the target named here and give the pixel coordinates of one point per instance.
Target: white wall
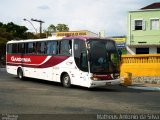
(131, 50)
(152, 50)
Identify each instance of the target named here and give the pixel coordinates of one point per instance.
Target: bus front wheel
(20, 73)
(66, 81)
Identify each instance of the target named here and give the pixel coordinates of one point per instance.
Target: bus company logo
(18, 59)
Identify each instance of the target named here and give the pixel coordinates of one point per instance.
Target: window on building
(138, 25)
(154, 24)
(158, 50)
(142, 50)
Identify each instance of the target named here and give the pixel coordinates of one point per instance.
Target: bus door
(64, 56)
(80, 58)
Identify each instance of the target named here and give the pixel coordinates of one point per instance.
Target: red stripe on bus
(34, 61)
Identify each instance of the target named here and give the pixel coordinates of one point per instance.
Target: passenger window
(14, 48)
(43, 48)
(9, 48)
(31, 48)
(21, 48)
(38, 48)
(66, 47)
(79, 46)
(52, 48)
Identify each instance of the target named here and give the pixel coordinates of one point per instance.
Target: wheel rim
(20, 74)
(66, 80)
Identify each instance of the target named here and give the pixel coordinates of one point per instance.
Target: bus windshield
(104, 57)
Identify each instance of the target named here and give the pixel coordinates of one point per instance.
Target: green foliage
(2, 47)
(12, 31)
(16, 30)
(124, 51)
(62, 28)
(1, 24)
(4, 34)
(52, 28)
(58, 28)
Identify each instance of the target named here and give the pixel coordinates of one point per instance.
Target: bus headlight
(94, 78)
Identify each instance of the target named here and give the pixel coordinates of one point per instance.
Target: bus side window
(55, 47)
(52, 48)
(49, 48)
(43, 48)
(66, 47)
(38, 48)
(14, 48)
(31, 48)
(9, 48)
(26, 48)
(21, 48)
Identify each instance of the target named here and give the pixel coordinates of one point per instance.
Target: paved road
(31, 96)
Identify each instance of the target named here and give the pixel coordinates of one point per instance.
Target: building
(144, 30)
(76, 33)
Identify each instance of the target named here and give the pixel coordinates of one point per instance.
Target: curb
(145, 88)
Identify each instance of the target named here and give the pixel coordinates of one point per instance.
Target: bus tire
(66, 81)
(20, 73)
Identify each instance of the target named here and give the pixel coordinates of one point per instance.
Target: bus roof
(33, 40)
(85, 38)
(53, 38)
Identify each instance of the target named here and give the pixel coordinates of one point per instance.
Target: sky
(93, 15)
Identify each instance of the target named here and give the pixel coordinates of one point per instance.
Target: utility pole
(40, 28)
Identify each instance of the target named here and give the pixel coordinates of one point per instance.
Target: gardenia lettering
(17, 59)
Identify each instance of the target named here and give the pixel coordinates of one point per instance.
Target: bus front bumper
(96, 83)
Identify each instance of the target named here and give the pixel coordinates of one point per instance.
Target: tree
(2, 48)
(6, 35)
(16, 30)
(12, 31)
(62, 28)
(29, 35)
(1, 24)
(52, 28)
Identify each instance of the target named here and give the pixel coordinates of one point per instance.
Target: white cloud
(44, 7)
(93, 15)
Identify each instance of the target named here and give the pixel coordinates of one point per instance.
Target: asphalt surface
(33, 96)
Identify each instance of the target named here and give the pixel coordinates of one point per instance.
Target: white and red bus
(82, 61)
